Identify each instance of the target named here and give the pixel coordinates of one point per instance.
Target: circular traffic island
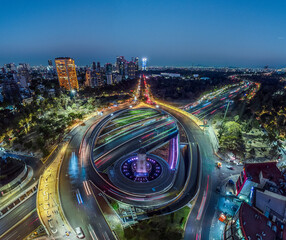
(129, 169)
(141, 173)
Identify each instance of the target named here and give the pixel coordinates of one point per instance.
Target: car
(79, 233)
(230, 167)
(217, 189)
(230, 182)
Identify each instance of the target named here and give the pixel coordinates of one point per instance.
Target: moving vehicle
(79, 233)
(230, 167)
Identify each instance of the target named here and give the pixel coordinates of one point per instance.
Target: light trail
(202, 206)
(78, 196)
(198, 236)
(86, 188)
(92, 232)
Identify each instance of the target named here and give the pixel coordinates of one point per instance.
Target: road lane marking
(11, 235)
(22, 220)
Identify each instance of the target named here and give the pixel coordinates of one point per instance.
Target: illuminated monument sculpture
(141, 169)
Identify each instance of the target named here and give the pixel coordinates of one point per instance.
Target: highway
(77, 173)
(199, 222)
(26, 208)
(20, 221)
(205, 108)
(135, 140)
(78, 201)
(202, 212)
(75, 190)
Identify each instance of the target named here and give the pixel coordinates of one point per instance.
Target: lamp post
(72, 93)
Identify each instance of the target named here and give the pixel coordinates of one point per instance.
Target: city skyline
(143, 120)
(244, 34)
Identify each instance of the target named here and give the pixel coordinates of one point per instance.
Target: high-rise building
(131, 70)
(10, 67)
(89, 80)
(11, 91)
(99, 79)
(66, 73)
(120, 65)
(109, 79)
(108, 68)
(93, 66)
(23, 76)
(98, 67)
(50, 62)
(108, 72)
(144, 64)
(24, 66)
(137, 63)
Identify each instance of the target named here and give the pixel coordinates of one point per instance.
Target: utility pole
(226, 111)
(220, 132)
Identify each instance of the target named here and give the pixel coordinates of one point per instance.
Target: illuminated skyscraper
(136, 66)
(23, 74)
(66, 73)
(108, 73)
(144, 64)
(98, 67)
(120, 65)
(93, 66)
(131, 70)
(108, 68)
(137, 63)
(90, 78)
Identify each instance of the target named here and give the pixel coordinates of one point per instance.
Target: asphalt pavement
(18, 217)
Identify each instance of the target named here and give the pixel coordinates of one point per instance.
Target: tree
(231, 138)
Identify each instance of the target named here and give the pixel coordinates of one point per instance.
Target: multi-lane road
(78, 173)
(21, 221)
(220, 100)
(80, 206)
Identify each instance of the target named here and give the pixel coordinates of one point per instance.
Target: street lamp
(72, 93)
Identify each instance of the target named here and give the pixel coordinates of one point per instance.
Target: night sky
(167, 32)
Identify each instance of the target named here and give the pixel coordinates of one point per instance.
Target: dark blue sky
(179, 33)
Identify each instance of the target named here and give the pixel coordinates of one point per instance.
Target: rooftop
(269, 171)
(257, 226)
(59, 58)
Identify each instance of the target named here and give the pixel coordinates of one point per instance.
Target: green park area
(167, 227)
(245, 139)
(42, 123)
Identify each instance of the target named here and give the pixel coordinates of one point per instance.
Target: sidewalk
(226, 205)
(48, 204)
